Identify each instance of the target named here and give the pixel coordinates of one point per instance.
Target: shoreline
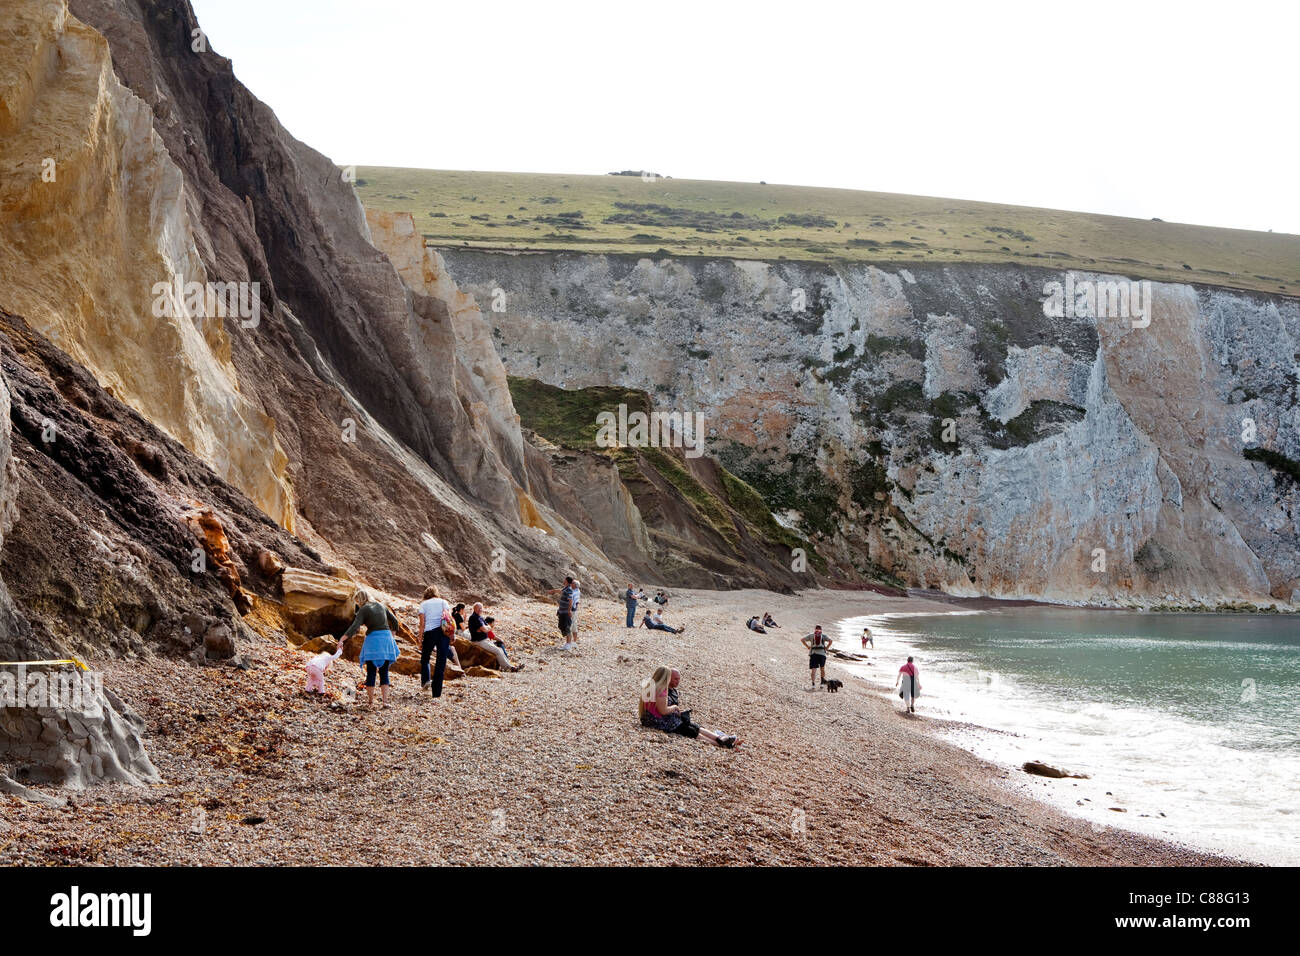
(1006, 746)
(550, 766)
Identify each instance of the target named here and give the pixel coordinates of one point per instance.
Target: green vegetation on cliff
(687, 217)
(567, 417)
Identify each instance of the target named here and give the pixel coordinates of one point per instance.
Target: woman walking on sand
(660, 709)
(436, 624)
(911, 688)
(379, 651)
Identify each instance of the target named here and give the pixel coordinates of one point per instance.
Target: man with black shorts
(818, 644)
(564, 614)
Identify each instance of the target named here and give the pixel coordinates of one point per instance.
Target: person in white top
(434, 637)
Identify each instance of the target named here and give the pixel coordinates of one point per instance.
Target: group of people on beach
(653, 619)
(907, 683)
(440, 623)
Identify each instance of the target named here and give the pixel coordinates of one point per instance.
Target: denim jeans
(434, 640)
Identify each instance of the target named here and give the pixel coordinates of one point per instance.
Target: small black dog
(833, 686)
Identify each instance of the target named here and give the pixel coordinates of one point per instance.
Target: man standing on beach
(631, 597)
(817, 645)
(564, 614)
(867, 638)
(573, 623)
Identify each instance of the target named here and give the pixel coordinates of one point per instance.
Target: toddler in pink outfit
(316, 668)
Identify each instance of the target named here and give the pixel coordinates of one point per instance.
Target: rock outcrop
(934, 425)
(96, 741)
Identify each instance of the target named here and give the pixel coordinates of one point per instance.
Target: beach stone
(219, 643)
(1046, 770)
(269, 563)
(479, 671)
(472, 655)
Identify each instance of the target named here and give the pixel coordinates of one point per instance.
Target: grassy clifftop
(752, 220)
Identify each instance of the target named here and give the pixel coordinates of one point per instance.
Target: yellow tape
(70, 660)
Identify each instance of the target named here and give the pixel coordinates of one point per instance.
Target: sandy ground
(550, 766)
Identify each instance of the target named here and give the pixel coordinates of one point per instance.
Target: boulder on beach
(1041, 769)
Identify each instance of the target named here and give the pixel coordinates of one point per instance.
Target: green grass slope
(751, 220)
(567, 417)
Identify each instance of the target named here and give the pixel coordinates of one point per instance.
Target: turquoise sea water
(1193, 716)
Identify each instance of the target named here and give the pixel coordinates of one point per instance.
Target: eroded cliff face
(92, 219)
(936, 425)
(352, 426)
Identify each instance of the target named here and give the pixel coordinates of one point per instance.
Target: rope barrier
(69, 660)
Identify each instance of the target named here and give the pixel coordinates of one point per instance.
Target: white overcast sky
(1186, 111)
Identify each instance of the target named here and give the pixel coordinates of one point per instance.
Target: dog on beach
(833, 686)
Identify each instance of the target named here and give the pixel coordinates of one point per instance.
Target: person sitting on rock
(480, 636)
(767, 620)
(379, 651)
(753, 625)
(659, 708)
(653, 621)
(492, 634)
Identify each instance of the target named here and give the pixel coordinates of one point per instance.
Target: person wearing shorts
(564, 613)
(818, 644)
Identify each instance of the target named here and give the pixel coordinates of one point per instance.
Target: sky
(1182, 111)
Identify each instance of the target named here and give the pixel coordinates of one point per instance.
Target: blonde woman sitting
(659, 709)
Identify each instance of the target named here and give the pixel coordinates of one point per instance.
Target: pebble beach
(549, 766)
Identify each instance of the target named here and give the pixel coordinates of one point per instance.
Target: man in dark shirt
(564, 613)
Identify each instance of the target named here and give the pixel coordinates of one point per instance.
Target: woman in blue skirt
(379, 651)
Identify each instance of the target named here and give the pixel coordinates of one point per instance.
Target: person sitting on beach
(379, 650)
(479, 636)
(867, 638)
(661, 598)
(492, 635)
(768, 622)
(659, 708)
(655, 622)
(458, 616)
(753, 625)
(911, 688)
(817, 645)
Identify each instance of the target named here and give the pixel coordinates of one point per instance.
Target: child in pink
(316, 668)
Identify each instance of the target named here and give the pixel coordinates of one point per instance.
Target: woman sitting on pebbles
(659, 709)
(379, 651)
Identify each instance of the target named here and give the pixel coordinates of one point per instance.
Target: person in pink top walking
(911, 688)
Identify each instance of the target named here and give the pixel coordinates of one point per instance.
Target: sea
(1186, 725)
